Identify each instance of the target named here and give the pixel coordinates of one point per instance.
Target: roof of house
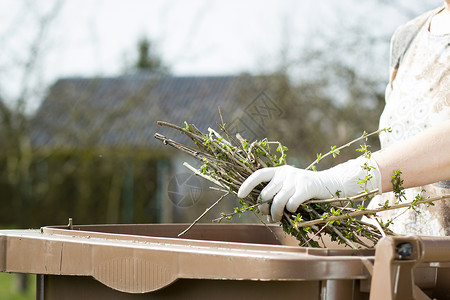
(122, 111)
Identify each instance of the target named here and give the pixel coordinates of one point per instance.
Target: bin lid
(143, 258)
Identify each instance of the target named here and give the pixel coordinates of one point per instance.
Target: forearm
(422, 159)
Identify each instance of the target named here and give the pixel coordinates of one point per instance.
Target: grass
(8, 289)
(8, 283)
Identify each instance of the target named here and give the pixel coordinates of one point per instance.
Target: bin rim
(103, 231)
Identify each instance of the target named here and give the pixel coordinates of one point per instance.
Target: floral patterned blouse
(417, 97)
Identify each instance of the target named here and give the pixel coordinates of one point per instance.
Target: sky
(196, 37)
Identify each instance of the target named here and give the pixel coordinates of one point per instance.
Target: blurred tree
(148, 60)
(14, 115)
(17, 156)
(16, 160)
(331, 88)
(313, 119)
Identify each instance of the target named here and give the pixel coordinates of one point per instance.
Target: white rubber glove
(289, 187)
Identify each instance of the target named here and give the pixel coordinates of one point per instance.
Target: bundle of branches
(228, 161)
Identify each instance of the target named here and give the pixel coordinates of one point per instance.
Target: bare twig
(359, 197)
(362, 137)
(203, 214)
(370, 211)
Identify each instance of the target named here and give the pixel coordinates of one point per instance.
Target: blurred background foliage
(328, 91)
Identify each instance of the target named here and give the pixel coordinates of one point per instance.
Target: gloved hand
(289, 187)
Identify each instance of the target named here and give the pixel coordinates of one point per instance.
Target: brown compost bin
(218, 261)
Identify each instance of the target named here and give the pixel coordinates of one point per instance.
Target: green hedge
(85, 185)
